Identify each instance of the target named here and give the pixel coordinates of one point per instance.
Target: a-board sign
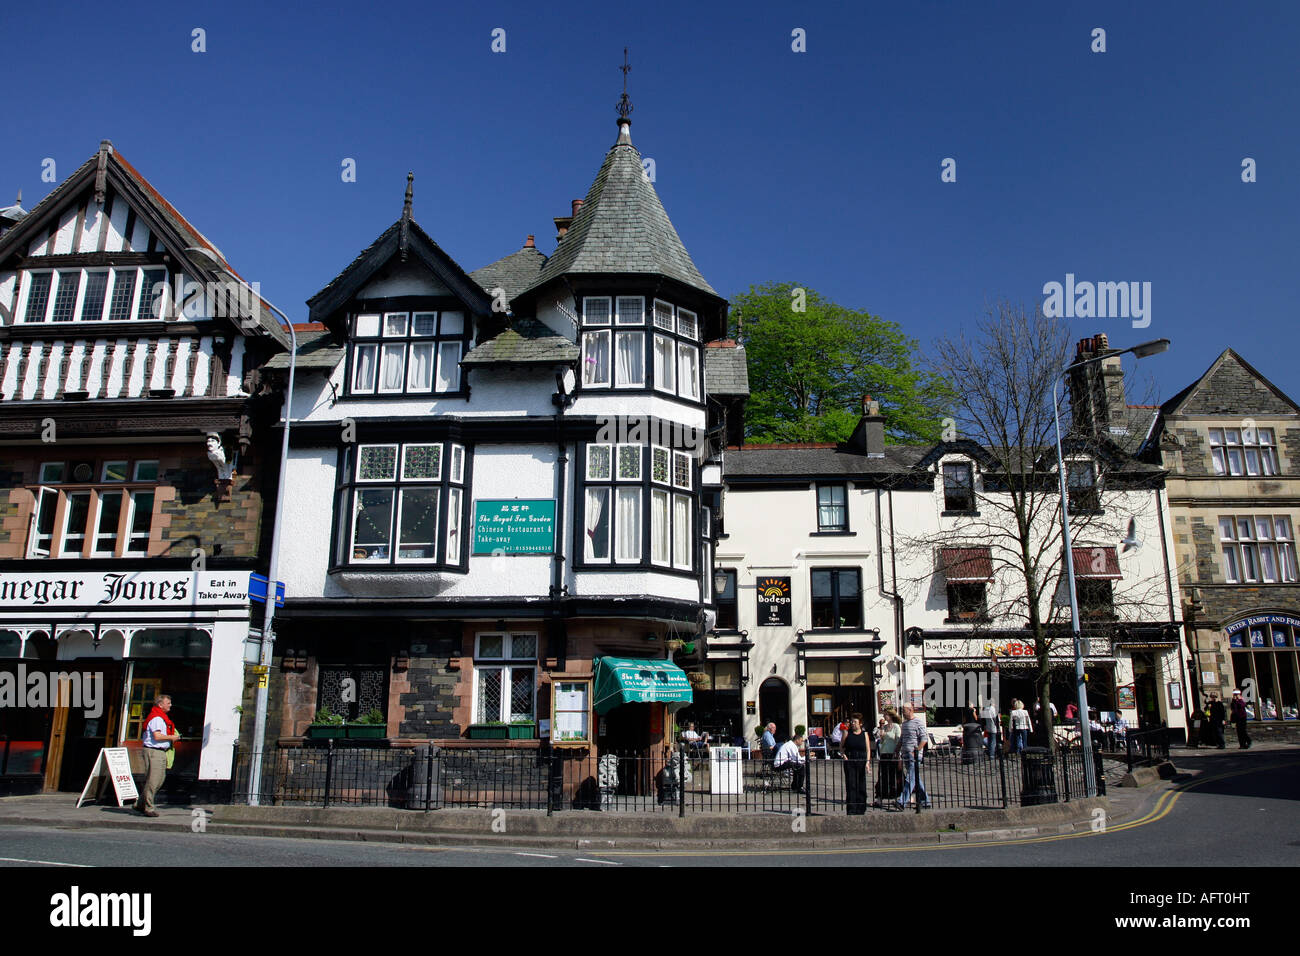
(116, 762)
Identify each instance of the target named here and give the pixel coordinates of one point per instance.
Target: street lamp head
(1154, 347)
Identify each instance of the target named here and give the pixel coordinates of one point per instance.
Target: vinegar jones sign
(514, 526)
(773, 602)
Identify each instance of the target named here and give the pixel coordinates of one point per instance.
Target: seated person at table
(693, 738)
(789, 756)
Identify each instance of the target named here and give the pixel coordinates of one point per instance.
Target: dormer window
(958, 487)
(1082, 485)
(406, 353)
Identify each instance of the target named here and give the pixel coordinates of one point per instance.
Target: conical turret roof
(622, 227)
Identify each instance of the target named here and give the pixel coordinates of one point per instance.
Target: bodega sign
(121, 589)
(773, 602)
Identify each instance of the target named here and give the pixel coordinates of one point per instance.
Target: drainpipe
(1169, 590)
(562, 399)
(895, 598)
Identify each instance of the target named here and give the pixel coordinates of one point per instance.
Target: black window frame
(347, 484)
(728, 621)
(439, 338)
(843, 527)
(612, 327)
(963, 599)
(952, 503)
(1082, 498)
(835, 599)
(1091, 608)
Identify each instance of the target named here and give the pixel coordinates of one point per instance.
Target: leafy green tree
(811, 361)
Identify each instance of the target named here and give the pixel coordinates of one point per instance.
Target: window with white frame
(505, 678)
(1243, 451)
(404, 504)
(120, 294)
(406, 353)
(78, 516)
(1258, 549)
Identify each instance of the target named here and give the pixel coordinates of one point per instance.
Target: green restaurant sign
(514, 526)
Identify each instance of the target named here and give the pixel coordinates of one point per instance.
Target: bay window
(406, 353)
(616, 344)
(618, 487)
(396, 499)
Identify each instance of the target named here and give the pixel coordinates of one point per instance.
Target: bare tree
(1003, 371)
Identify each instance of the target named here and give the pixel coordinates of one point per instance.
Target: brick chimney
(868, 437)
(528, 242)
(1097, 390)
(562, 223)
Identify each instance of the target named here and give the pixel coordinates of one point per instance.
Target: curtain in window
(659, 534)
(448, 367)
(394, 360)
(688, 371)
(631, 358)
(681, 531)
(628, 524)
(453, 526)
(597, 524)
(595, 358)
(664, 363)
(364, 378)
(421, 367)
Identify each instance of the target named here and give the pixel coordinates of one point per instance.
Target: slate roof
(622, 228)
(725, 370)
(526, 342)
(767, 462)
(316, 351)
(514, 273)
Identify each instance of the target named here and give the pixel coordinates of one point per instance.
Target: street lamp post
(268, 633)
(1085, 732)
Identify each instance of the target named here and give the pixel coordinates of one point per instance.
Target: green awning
(625, 680)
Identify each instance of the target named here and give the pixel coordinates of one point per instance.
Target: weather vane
(624, 104)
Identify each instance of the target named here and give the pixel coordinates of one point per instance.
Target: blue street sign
(257, 588)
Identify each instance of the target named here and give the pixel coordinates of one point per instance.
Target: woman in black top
(856, 748)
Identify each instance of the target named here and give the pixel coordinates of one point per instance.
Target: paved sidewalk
(580, 828)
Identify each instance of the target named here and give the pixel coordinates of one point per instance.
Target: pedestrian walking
(889, 781)
(912, 742)
(1239, 719)
(1217, 718)
(1021, 726)
(856, 748)
(159, 733)
(992, 727)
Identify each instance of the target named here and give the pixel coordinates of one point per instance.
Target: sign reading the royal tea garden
(514, 526)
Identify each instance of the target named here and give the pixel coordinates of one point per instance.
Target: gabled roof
(317, 351)
(1209, 394)
(173, 230)
(962, 446)
(622, 227)
(513, 273)
(402, 238)
(526, 342)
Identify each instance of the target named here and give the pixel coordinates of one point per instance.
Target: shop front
(1264, 649)
(83, 655)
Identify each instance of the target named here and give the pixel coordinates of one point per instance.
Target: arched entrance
(774, 706)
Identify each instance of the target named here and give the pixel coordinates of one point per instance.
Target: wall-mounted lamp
(915, 636)
(800, 658)
(719, 581)
(746, 645)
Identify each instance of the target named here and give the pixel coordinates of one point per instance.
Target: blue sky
(821, 167)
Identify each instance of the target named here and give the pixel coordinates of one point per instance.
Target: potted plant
(326, 725)
(372, 726)
(673, 645)
(699, 679)
(491, 730)
(523, 729)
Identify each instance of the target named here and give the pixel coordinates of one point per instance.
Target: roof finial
(624, 104)
(404, 233)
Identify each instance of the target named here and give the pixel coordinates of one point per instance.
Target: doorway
(1145, 687)
(774, 706)
(625, 732)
